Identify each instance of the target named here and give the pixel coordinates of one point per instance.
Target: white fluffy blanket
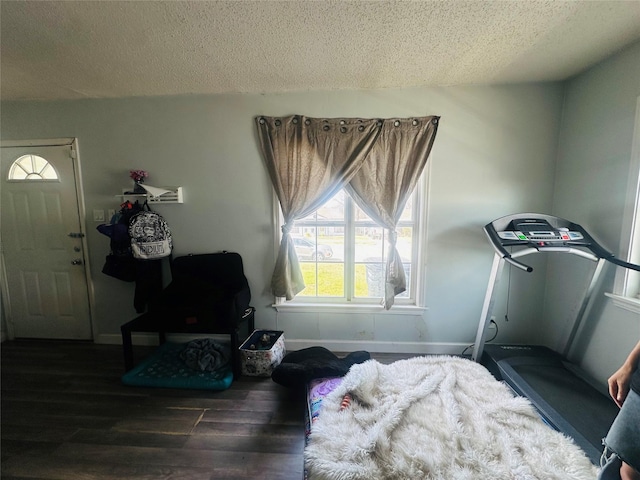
(436, 417)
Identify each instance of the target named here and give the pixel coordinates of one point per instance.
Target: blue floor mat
(165, 368)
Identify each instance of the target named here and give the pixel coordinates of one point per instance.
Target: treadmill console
(537, 231)
(544, 232)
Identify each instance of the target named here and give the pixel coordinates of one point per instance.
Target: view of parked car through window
(307, 249)
(342, 251)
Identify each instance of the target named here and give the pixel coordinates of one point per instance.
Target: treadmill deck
(563, 396)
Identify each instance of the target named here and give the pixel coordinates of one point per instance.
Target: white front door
(46, 285)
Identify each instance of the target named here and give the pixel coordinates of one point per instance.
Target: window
(343, 253)
(633, 279)
(309, 159)
(32, 167)
(626, 293)
(627, 280)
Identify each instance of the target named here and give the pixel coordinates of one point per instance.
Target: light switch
(98, 215)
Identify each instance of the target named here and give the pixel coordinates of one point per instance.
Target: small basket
(262, 352)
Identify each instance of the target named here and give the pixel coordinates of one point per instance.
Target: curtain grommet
(262, 121)
(295, 120)
(434, 121)
(361, 128)
(396, 123)
(307, 122)
(415, 122)
(326, 128)
(343, 129)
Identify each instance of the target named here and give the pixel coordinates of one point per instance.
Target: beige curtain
(309, 160)
(385, 181)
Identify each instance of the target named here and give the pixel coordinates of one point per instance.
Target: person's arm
(620, 380)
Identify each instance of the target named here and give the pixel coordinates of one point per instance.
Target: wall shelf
(174, 195)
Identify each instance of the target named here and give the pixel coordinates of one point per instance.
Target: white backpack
(150, 236)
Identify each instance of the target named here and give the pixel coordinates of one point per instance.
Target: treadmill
(564, 396)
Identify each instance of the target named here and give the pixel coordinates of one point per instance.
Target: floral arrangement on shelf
(138, 176)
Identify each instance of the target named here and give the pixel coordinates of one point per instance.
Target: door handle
(76, 235)
(77, 261)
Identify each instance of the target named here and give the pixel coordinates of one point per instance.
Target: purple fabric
(323, 386)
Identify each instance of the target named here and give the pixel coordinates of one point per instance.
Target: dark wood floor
(66, 415)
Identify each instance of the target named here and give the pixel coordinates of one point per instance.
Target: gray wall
(494, 155)
(594, 158)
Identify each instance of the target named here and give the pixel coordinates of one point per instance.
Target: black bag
(120, 267)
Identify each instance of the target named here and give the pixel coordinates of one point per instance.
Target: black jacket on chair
(208, 294)
(207, 291)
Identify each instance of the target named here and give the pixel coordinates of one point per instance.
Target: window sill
(357, 308)
(627, 303)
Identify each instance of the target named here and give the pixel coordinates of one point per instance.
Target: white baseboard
(423, 348)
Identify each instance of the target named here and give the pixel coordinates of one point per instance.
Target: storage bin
(262, 352)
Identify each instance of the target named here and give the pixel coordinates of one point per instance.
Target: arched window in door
(32, 167)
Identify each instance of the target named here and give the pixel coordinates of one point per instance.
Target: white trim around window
(626, 291)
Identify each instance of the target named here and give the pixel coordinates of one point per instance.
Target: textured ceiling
(95, 49)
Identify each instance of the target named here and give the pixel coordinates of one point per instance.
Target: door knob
(77, 261)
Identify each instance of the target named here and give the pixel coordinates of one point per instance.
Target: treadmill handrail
(520, 265)
(622, 263)
(571, 250)
(494, 239)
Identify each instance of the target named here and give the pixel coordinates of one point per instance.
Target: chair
(208, 294)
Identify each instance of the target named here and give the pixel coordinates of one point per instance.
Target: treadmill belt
(564, 399)
(578, 403)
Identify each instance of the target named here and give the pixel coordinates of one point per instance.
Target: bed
(433, 417)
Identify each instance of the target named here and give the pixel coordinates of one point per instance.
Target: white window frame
(626, 290)
(412, 305)
(31, 175)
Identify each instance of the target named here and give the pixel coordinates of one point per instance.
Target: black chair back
(224, 270)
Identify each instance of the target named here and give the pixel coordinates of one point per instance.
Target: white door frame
(73, 142)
